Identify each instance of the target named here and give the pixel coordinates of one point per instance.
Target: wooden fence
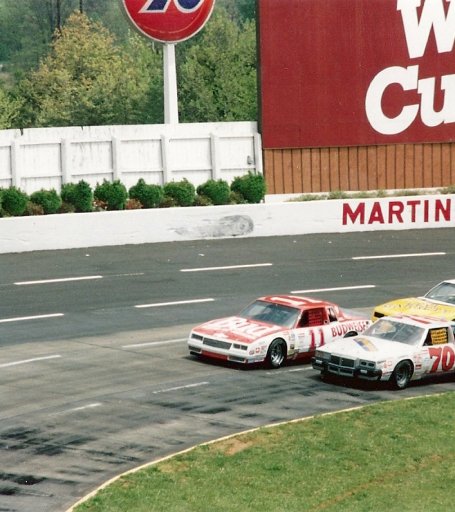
(402, 166)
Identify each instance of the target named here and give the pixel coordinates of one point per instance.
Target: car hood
(417, 306)
(368, 347)
(236, 328)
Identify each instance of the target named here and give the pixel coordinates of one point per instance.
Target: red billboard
(356, 72)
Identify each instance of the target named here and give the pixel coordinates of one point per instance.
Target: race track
(95, 375)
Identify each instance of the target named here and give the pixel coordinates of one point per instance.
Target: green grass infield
(393, 456)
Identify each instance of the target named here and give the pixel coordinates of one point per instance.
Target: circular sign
(169, 21)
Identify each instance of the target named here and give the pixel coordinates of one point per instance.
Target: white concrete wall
(79, 230)
(48, 157)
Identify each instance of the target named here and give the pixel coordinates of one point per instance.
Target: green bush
(49, 200)
(201, 200)
(251, 186)
(14, 201)
(236, 198)
(148, 195)
(67, 208)
(183, 192)
(168, 202)
(133, 204)
(113, 194)
(33, 209)
(217, 191)
(79, 195)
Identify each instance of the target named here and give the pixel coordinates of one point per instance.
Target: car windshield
(393, 330)
(271, 313)
(443, 292)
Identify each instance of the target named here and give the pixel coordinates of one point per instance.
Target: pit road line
(230, 267)
(154, 343)
(28, 361)
(386, 256)
(317, 290)
(176, 303)
(178, 388)
(60, 280)
(35, 317)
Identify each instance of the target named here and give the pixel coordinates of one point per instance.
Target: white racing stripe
(25, 318)
(154, 343)
(28, 361)
(230, 267)
(386, 256)
(176, 303)
(61, 280)
(317, 290)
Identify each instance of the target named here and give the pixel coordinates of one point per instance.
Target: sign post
(171, 108)
(169, 22)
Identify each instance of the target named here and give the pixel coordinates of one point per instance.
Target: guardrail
(80, 230)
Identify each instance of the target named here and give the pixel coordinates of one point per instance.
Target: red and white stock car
(275, 329)
(396, 349)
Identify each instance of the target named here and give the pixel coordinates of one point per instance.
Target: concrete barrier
(79, 230)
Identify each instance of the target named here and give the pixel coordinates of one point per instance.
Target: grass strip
(394, 456)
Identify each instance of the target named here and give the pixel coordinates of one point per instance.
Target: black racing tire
(401, 375)
(277, 353)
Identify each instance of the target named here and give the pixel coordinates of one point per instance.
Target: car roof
(296, 301)
(420, 320)
(451, 281)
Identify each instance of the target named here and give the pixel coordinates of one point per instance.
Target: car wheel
(401, 375)
(276, 354)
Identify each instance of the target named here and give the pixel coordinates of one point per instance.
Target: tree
(87, 80)
(27, 27)
(8, 110)
(217, 79)
(240, 10)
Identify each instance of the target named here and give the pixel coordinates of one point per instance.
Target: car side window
(439, 336)
(303, 322)
(313, 318)
(332, 315)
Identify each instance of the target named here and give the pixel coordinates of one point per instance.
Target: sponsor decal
(415, 307)
(235, 325)
(342, 329)
(366, 344)
(439, 336)
(398, 212)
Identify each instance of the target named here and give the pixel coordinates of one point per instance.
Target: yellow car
(439, 302)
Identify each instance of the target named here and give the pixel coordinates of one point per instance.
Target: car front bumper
(344, 371)
(224, 351)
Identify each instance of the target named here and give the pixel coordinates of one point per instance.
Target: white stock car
(397, 349)
(274, 329)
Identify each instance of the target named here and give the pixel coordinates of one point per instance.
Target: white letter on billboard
(433, 16)
(408, 79)
(448, 86)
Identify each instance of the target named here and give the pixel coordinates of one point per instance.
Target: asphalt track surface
(95, 377)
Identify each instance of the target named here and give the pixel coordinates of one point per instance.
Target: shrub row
(79, 197)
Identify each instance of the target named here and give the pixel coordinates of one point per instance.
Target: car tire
(401, 375)
(276, 355)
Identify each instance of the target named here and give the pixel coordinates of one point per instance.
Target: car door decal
(444, 355)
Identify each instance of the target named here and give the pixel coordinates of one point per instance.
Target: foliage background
(79, 62)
